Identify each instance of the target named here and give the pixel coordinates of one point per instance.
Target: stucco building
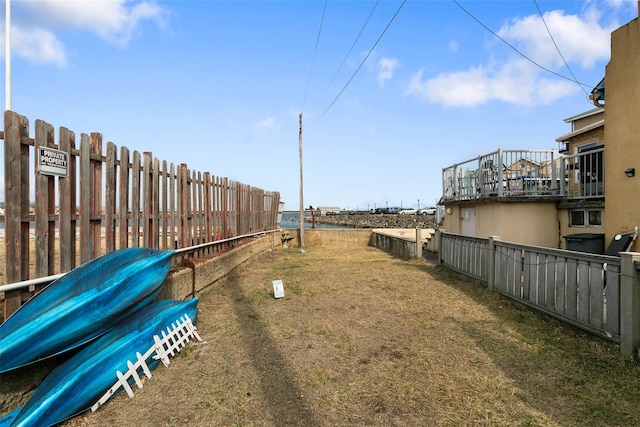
(621, 90)
(592, 186)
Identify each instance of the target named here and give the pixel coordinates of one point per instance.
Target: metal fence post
(439, 243)
(491, 263)
(501, 168)
(629, 304)
(554, 175)
(563, 171)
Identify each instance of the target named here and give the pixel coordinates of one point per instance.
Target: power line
(575, 79)
(515, 49)
(364, 60)
(315, 51)
(354, 42)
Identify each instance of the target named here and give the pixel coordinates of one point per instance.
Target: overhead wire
(514, 48)
(315, 51)
(354, 42)
(575, 79)
(364, 60)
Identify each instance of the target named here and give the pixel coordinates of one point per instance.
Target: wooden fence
(597, 293)
(84, 203)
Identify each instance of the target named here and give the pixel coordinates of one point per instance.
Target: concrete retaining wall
(399, 246)
(402, 241)
(329, 236)
(399, 241)
(191, 279)
(186, 281)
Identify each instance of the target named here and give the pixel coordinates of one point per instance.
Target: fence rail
(579, 288)
(84, 202)
(467, 256)
(597, 293)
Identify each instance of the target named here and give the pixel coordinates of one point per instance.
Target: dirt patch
(364, 338)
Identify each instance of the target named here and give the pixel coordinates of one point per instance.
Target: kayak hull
(77, 384)
(82, 305)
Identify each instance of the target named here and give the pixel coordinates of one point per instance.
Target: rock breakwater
(377, 220)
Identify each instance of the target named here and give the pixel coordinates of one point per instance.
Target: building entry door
(468, 222)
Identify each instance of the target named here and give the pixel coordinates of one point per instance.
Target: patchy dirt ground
(363, 338)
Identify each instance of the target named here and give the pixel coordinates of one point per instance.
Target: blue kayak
(80, 382)
(82, 305)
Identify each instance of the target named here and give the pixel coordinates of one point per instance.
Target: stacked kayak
(103, 308)
(82, 305)
(77, 384)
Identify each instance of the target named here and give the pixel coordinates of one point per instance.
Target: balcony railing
(526, 174)
(503, 173)
(584, 174)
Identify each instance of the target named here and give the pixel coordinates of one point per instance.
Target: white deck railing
(526, 174)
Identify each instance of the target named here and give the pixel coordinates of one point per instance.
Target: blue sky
(219, 85)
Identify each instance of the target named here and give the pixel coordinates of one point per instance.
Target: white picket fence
(172, 341)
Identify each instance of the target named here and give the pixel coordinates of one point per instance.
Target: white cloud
(115, 21)
(514, 79)
(386, 67)
(514, 82)
(112, 20)
(580, 40)
(36, 46)
(619, 4)
(464, 88)
(263, 127)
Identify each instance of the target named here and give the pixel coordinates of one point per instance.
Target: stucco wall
(451, 221)
(531, 223)
(596, 135)
(586, 121)
(622, 131)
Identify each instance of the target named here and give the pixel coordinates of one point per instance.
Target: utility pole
(7, 56)
(301, 199)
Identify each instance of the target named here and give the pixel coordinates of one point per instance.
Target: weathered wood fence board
(44, 206)
(16, 166)
(108, 201)
(579, 288)
(468, 257)
(67, 201)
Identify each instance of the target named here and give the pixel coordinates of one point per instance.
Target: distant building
(323, 210)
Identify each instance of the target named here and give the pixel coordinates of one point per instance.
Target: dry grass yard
(363, 338)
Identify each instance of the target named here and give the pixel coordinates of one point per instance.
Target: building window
(576, 219)
(595, 217)
(585, 217)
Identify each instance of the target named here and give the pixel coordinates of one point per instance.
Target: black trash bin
(592, 243)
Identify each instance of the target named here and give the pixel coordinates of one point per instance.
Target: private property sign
(53, 162)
